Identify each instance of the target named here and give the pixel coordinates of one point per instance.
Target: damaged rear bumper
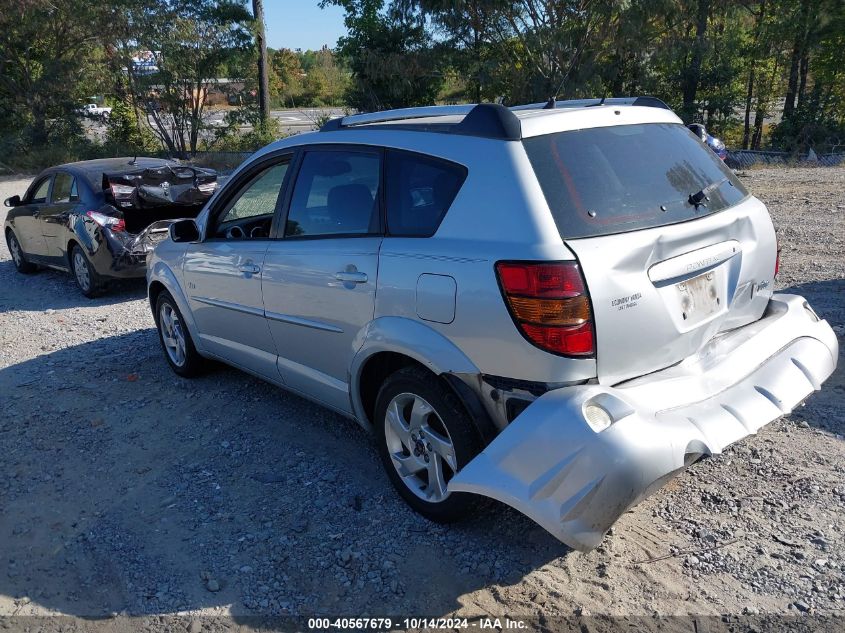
(125, 255)
(576, 480)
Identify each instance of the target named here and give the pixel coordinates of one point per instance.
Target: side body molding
(410, 338)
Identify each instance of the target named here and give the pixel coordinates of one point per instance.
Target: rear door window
(599, 181)
(419, 190)
(336, 193)
(64, 188)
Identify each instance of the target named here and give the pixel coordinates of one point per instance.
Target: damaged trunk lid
(148, 195)
(672, 247)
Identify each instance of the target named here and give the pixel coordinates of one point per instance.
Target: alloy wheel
(80, 269)
(15, 248)
(420, 447)
(173, 334)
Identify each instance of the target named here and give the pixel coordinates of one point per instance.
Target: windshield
(599, 181)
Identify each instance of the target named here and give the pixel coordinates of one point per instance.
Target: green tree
(532, 49)
(814, 109)
(285, 75)
(190, 42)
(390, 53)
(326, 82)
(48, 62)
(463, 27)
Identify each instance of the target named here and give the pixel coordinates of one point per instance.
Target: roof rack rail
(649, 102)
(487, 120)
(398, 115)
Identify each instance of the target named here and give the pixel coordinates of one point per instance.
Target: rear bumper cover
(122, 255)
(575, 481)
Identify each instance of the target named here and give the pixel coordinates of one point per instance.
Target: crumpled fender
(87, 233)
(410, 338)
(161, 272)
(143, 241)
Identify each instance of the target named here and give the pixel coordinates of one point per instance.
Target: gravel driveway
(124, 489)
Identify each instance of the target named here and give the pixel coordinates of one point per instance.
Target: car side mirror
(184, 231)
(13, 201)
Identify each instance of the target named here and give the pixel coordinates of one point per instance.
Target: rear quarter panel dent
(410, 338)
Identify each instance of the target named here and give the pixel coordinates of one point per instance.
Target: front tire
(175, 339)
(87, 279)
(18, 256)
(424, 437)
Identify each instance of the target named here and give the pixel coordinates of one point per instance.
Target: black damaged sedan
(98, 219)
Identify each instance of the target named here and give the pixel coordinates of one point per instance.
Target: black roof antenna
(600, 103)
(134, 161)
(550, 104)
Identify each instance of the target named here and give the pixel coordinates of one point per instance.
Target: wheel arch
(153, 291)
(69, 250)
(391, 343)
(160, 278)
(11, 229)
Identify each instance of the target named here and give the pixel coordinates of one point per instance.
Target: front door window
(249, 214)
(39, 194)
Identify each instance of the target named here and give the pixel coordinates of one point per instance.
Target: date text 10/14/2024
(384, 624)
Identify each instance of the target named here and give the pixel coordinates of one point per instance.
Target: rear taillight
(550, 305)
(121, 192)
(107, 221)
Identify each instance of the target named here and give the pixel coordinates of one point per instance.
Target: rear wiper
(698, 198)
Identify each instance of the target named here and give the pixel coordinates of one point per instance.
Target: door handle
(249, 268)
(352, 277)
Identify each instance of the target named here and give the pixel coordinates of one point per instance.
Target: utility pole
(263, 82)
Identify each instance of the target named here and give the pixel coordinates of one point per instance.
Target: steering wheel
(235, 233)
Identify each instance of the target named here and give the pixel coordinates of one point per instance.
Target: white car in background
(94, 111)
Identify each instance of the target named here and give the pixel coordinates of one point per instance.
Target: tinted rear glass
(606, 180)
(419, 192)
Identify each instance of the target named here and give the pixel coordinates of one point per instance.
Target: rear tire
(18, 256)
(89, 282)
(175, 339)
(424, 437)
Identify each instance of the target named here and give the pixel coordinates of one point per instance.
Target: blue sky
(301, 24)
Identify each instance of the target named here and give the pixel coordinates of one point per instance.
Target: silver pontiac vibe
(556, 307)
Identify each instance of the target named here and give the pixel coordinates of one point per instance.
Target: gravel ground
(125, 490)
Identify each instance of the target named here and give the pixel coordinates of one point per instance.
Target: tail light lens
(207, 187)
(107, 221)
(550, 305)
(121, 192)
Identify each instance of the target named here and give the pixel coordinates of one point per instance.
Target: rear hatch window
(599, 181)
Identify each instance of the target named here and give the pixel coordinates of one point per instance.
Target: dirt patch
(127, 490)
